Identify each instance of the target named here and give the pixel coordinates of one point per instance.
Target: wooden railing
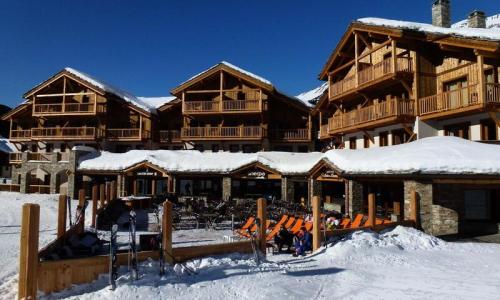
(299, 134)
(127, 134)
(59, 108)
(323, 131)
(19, 135)
(227, 106)
(371, 73)
(37, 156)
(10, 187)
(64, 133)
(241, 132)
(168, 136)
(39, 189)
(376, 112)
(15, 157)
(493, 93)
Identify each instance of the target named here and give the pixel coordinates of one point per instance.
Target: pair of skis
(113, 249)
(159, 241)
(255, 248)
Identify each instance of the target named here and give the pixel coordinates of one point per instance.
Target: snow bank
(433, 155)
(479, 33)
(6, 146)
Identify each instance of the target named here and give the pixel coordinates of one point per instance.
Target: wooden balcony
(9, 187)
(323, 131)
(20, 135)
(64, 133)
(127, 134)
(59, 109)
(41, 157)
(39, 189)
(376, 115)
(290, 135)
(170, 136)
(222, 133)
(458, 101)
(15, 157)
(226, 106)
(379, 72)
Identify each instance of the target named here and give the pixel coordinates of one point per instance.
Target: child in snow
(302, 242)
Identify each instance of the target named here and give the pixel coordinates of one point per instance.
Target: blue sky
(149, 47)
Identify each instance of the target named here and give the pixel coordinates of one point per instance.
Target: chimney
(477, 19)
(441, 13)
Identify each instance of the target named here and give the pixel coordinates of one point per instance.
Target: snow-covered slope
(492, 22)
(311, 97)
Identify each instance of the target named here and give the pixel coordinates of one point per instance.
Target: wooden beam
(369, 136)
(102, 195)
(365, 41)
(64, 94)
(262, 215)
(371, 209)
(95, 198)
(316, 206)
(28, 257)
(394, 56)
(81, 203)
(61, 216)
(414, 207)
(356, 59)
(167, 231)
(481, 79)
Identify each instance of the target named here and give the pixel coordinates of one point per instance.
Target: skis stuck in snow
(253, 242)
(132, 246)
(159, 240)
(113, 266)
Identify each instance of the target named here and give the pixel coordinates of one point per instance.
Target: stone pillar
(226, 188)
(287, 189)
(120, 185)
(355, 194)
(315, 189)
(424, 199)
(23, 185)
(14, 174)
(71, 185)
(53, 182)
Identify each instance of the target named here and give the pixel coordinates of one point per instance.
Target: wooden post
(61, 216)
(261, 214)
(396, 211)
(28, 258)
(113, 190)
(371, 209)
(108, 192)
(316, 223)
(394, 55)
(328, 199)
(81, 203)
(481, 80)
(414, 207)
(102, 194)
(356, 58)
(95, 198)
(167, 231)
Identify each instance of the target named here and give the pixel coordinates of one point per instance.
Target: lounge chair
(276, 228)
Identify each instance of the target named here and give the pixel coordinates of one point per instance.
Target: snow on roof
(156, 102)
(491, 22)
(433, 155)
(194, 161)
(229, 65)
(111, 89)
(312, 96)
(6, 146)
(479, 33)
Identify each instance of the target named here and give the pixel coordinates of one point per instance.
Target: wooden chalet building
(391, 82)
(226, 108)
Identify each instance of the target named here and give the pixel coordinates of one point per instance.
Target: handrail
(127, 133)
(449, 100)
(298, 134)
(227, 106)
(222, 132)
(20, 134)
(170, 135)
(64, 132)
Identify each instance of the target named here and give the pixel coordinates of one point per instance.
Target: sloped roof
(156, 102)
(6, 146)
(312, 96)
(491, 22)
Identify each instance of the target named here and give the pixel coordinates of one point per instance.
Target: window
(458, 94)
(200, 148)
(49, 148)
(250, 148)
(283, 148)
(352, 143)
(34, 148)
(477, 205)
(459, 130)
(215, 148)
(234, 148)
(63, 147)
(400, 136)
(303, 149)
(488, 130)
(366, 141)
(383, 139)
(24, 147)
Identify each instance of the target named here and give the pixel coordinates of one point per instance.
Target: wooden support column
(481, 79)
(62, 213)
(316, 223)
(261, 215)
(167, 231)
(81, 203)
(113, 190)
(394, 56)
(396, 211)
(95, 198)
(221, 94)
(64, 95)
(329, 85)
(371, 209)
(414, 207)
(28, 257)
(356, 57)
(102, 195)
(108, 192)
(416, 81)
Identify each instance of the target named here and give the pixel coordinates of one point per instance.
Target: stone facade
(424, 201)
(226, 188)
(355, 196)
(315, 189)
(287, 189)
(441, 13)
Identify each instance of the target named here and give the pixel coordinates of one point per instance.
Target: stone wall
(424, 199)
(315, 189)
(226, 188)
(355, 195)
(447, 209)
(287, 189)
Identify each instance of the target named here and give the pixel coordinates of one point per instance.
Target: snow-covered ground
(400, 264)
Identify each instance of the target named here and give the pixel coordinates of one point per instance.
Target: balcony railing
(458, 99)
(39, 189)
(10, 187)
(226, 106)
(127, 134)
(37, 156)
(15, 157)
(373, 113)
(57, 133)
(370, 74)
(169, 136)
(323, 131)
(60, 109)
(234, 133)
(20, 135)
(299, 134)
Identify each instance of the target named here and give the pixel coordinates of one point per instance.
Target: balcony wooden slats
(58, 133)
(232, 133)
(493, 93)
(43, 157)
(20, 135)
(361, 117)
(15, 157)
(170, 136)
(449, 100)
(227, 106)
(60, 109)
(290, 135)
(127, 134)
(39, 189)
(323, 131)
(370, 74)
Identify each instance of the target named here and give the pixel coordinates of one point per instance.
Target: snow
(6, 146)
(311, 97)
(156, 102)
(111, 89)
(433, 155)
(491, 22)
(195, 161)
(479, 33)
(238, 69)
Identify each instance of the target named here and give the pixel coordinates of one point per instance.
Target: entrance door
(143, 187)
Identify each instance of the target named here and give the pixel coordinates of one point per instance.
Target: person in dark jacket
(283, 238)
(302, 242)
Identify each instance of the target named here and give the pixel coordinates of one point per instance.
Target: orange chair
(290, 222)
(245, 227)
(308, 226)
(345, 223)
(357, 221)
(297, 226)
(276, 228)
(253, 229)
